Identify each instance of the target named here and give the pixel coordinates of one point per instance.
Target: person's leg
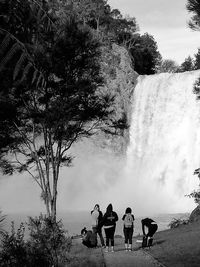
(99, 231)
(112, 233)
(130, 236)
(107, 238)
(151, 232)
(126, 238)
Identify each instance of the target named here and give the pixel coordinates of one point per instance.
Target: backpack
(128, 220)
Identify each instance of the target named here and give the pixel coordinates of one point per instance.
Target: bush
(177, 222)
(13, 248)
(47, 245)
(50, 238)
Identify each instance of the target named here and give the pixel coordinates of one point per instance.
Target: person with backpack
(128, 219)
(97, 216)
(109, 223)
(152, 227)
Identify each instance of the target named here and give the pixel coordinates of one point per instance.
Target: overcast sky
(167, 22)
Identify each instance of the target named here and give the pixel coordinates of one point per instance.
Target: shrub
(48, 236)
(13, 248)
(47, 245)
(177, 222)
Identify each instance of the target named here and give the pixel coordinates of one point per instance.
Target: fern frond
(14, 49)
(40, 78)
(38, 11)
(19, 65)
(26, 71)
(34, 76)
(5, 43)
(19, 47)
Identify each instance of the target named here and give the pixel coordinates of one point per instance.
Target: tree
(193, 6)
(55, 92)
(187, 65)
(145, 54)
(168, 65)
(197, 60)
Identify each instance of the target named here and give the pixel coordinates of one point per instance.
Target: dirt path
(137, 258)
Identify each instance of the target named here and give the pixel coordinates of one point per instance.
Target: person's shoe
(112, 249)
(106, 250)
(130, 247)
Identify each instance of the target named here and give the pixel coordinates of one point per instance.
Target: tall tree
(187, 65)
(145, 54)
(54, 88)
(197, 60)
(168, 65)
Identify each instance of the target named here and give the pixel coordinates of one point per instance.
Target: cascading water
(164, 145)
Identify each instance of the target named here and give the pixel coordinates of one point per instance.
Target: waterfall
(164, 147)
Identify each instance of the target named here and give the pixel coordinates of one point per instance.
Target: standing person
(152, 227)
(97, 216)
(109, 222)
(128, 219)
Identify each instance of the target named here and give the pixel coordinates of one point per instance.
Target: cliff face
(120, 80)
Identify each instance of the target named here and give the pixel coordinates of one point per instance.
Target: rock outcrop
(120, 81)
(195, 215)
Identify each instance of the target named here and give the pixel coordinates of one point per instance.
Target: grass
(85, 257)
(178, 247)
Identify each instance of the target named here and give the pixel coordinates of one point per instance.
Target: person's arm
(116, 216)
(123, 217)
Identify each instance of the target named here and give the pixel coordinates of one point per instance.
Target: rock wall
(120, 80)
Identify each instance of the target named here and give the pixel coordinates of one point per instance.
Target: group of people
(108, 222)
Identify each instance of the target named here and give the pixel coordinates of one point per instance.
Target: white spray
(164, 145)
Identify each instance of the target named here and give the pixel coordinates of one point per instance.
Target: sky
(167, 22)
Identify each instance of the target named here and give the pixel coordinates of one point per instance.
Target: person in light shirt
(96, 217)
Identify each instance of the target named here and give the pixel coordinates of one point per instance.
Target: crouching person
(152, 227)
(89, 239)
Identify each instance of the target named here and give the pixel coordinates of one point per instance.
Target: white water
(164, 145)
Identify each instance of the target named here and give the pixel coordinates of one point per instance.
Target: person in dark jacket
(109, 222)
(152, 227)
(89, 238)
(128, 219)
(97, 217)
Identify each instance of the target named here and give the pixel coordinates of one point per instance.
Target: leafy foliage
(187, 65)
(177, 222)
(47, 245)
(145, 54)
(196, 194)
(197, 60)
(168, 65)
(193, 6)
